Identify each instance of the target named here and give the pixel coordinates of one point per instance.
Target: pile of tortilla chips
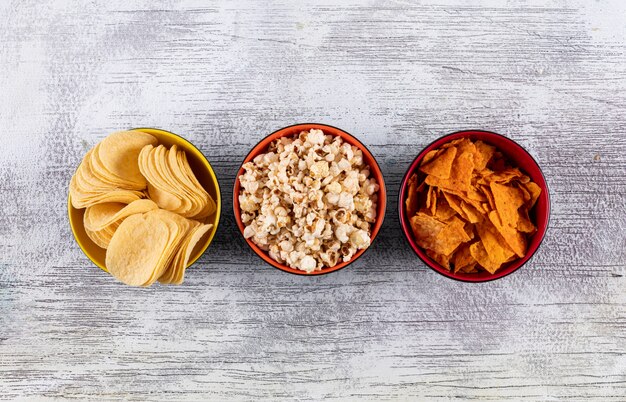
(144, 205)
(469, 209)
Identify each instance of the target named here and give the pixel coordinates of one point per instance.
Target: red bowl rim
(382, 198)
(514, 266)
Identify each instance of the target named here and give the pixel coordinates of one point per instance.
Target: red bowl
(520, 158)
(375, 171)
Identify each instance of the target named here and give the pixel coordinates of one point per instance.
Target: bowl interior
(519, 157)
(262, 146)
(205, 175)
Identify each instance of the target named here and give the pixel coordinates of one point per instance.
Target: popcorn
(309, 201)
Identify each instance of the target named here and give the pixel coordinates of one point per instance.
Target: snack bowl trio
(310, 199)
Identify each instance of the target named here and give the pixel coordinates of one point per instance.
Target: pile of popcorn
(309, 201)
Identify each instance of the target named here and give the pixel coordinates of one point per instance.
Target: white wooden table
(397, 74)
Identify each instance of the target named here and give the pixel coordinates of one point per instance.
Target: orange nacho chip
(534, 191)
(514, 239)
(497, 249)
(425, 228)
(484, 153)
(444, 211)
(463, 258)
(412, 203)
(441, 164)
(508, 200)
(460, 176)
(441, 259)
(469, 209)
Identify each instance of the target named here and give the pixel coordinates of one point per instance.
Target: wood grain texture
(397, 74)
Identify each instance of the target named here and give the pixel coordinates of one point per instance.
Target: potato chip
(179, 227)
(137, 247)
(210, 204)
(103, 237)
(168, 276)
(119, 153)
(172, 184)
(469, 209)
(186, 251)
(143, 246)
(83, 200)
(99, 216)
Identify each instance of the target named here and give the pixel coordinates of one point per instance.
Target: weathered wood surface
(397, 74)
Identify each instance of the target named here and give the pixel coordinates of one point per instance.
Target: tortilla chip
(524, 224)
(470, 269)
(450, 237)
(514, 239)
(473, 215)
(441, 164)
(493, 242)
(476, 195)
(433, 203)
(505, 176)
(479, 253)
(444, 211)
(430, 155)
(411, 202)
(429, 197)
(469, 229)
(487, 192)
(426, 228)
(484, 153)
(440, 259)
(508, 199)
(465, 145)
(460, 175)
(535, 192)
(455, 203)
(463, 257)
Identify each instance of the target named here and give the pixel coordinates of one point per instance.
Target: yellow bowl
(201, 168)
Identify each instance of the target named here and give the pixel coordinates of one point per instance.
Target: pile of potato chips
(469, 209)
(143, 204)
